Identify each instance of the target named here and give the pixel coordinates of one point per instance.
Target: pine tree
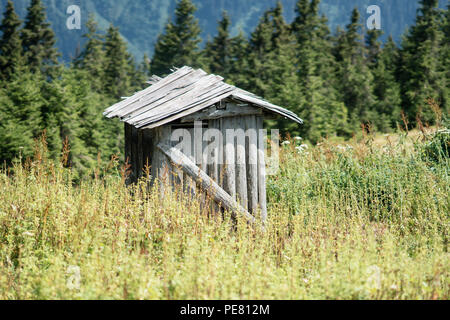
(10, 43)
(20, 115)
(38, 41)
(92, 58)
(117, 79)
(383, 64)
(421, 76)
(355, 81)
(324, 115)
(238, 61)
(271, 33)
(373, 46)
(178, 46)
(218, 51)
(445, 61)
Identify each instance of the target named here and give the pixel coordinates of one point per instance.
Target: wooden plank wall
(237, 164)
(138, 151)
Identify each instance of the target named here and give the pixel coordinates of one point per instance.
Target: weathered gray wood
(213, 98)
(261, 169)
(165, 96)
(128, 152)
(192, 93)
(232, 110)
(221, 158)
(241, 168)
(252, 163)
(198, 143)
(217, 193)
(147, 144)
(140, 154)
(229, 179)
(214, 156)
(188, 183)
(111, 111)
(134, 153)
(161, 167)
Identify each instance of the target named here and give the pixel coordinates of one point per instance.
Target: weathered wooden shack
(192, 129)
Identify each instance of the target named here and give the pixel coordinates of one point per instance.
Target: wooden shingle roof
(182, 93)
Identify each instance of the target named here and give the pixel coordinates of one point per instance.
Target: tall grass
(344, 223)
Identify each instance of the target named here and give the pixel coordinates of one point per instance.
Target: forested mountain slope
(140, 21)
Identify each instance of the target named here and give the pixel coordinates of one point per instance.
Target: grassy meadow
(362, 219)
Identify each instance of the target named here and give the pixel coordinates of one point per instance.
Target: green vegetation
(345, 222)
(335, 82)
(349, 217)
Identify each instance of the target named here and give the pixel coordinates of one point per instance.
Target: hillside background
(141, 21)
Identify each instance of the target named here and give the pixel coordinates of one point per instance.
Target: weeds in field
(345, 222)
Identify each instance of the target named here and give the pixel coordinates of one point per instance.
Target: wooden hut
(224, 150)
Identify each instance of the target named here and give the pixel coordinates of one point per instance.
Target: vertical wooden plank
(214, 156)
(165, 174)
(198, 143)
(147, 151)
(188, 182)
(140, 155)
(127, 159)
(161, 167)
(134, 152)
(229, 157)
(252, 163)
(261, 169)
(241, 169)
(177, 172)
(220, 159)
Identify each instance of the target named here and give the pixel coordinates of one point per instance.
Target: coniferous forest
(336, 80)
(358, 208)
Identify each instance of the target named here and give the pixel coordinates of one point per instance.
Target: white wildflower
(284, 143)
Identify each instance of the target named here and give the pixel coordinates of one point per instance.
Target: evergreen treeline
(334, 81)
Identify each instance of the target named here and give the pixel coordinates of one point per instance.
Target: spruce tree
(355, 81)
(38, 41)
(271, 33)
(117, 79)
(218, 51)
(421, 76)
(92, 58)
(323, 113)
(383, 64)
(21, 103)
(178, 46)
(238, 61)
(10, 43)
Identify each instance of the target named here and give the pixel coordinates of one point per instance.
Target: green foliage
(178, 46)
(38, 41)
(437, 148)
(355, 84)
(352, 224)
(93, 57)
(20, 115)
(334, 82)
(421, 76)
(10, 43)
(383, 64)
